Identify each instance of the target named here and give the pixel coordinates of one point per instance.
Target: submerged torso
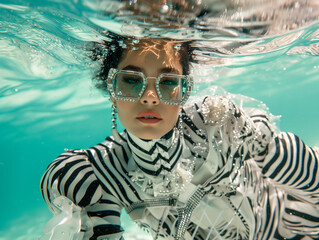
(206, 185)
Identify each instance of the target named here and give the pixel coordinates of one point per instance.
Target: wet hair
(109, 55)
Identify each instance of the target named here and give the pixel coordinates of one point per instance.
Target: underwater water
(48, 102)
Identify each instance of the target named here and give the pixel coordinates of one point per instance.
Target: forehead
(153, 45)
(152, 54)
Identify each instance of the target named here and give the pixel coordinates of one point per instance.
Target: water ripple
(45, 46)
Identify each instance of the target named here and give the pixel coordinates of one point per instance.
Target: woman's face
(149, 117)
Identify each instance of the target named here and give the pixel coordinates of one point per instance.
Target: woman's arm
(83, 210)
(248, 132)
(285, 158)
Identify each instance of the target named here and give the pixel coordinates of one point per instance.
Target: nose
(150, 96)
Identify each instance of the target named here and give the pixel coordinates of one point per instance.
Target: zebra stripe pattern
(281, 167)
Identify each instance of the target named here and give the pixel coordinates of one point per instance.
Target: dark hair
(109, 54)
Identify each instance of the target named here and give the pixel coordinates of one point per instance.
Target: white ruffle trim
(65, 225)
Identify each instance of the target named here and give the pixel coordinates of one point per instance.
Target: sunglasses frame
(113, 72)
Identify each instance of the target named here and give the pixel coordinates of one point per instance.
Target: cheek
(172, 114)
(124, 110)
(123, 106)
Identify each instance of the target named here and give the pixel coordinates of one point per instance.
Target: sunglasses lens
(128, 85)
(172, 88)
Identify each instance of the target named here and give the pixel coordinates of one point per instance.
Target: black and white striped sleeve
(291, 162)
(284, 157)
(71, 177)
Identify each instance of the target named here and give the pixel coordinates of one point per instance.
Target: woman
(203, 170)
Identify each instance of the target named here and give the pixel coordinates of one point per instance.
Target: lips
(149, 117)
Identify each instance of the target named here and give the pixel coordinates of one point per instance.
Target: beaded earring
(115, 133)
(180, 124)
(178, 129)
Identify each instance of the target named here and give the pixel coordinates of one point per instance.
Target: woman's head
(109, 54)
(148, 117)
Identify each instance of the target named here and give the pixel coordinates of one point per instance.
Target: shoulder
(218, 110)
(211, 110)
(76, 173)
(109, 159)
(230, 115)
(70, 159)
(110, 149)
(202, 115)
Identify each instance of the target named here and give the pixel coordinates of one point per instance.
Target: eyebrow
(169, 70)
(162, 70)
(133, 68)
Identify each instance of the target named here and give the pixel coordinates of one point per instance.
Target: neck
(156, 156)
(158, 166)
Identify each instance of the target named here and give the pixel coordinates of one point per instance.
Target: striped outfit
(230, 176)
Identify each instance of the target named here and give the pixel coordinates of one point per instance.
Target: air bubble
(164, 8)
(177, 47)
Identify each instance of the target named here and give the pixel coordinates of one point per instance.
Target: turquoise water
(48, 102)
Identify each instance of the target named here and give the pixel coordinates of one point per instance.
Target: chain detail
(184, 214)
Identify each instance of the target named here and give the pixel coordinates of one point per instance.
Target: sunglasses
(128, 85)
